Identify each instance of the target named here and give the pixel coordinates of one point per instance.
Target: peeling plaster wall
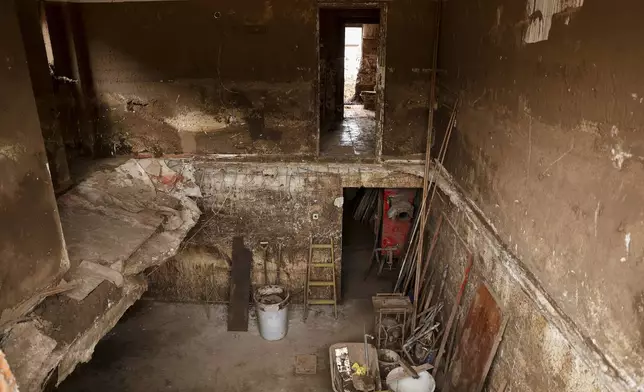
(278, 203)
(549, 145)
(31, 244)
(541, 13)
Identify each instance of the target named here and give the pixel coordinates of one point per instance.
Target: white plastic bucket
(271, 304)
(425, 383)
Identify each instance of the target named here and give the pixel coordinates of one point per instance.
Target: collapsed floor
(117, 223)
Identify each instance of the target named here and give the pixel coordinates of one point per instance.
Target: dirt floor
(182, 347)
(354, 136)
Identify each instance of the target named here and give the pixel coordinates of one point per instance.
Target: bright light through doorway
(352, 57)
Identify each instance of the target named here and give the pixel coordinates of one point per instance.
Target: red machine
(398, 213)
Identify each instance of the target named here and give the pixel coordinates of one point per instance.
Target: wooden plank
(239, 286)
(479, 340)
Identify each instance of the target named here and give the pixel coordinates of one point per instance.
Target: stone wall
(278, 203)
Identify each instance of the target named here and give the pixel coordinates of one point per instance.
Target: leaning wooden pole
(428, 160)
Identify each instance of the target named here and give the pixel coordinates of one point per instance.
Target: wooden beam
(240, 286)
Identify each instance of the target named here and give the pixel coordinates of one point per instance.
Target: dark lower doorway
(374, 218)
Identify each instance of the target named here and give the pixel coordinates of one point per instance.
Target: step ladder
(320, 283)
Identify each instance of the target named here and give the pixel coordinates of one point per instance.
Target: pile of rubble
(117, 223)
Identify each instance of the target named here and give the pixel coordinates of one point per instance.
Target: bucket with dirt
(271, 304)
(387, 361)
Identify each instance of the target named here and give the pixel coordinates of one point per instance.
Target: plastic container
(425, 383)
(271, 304)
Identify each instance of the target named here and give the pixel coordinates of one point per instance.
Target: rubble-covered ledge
(352, 175)
(117, 222)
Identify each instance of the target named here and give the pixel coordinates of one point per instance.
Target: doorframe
(381, 71)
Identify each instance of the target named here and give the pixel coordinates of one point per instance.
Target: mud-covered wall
(204, 77)
(410, 34)
(277, 203)
(32, 251)
(549, 145)
(226, 77)
(534, 355)
(43, 88)
(271, 204)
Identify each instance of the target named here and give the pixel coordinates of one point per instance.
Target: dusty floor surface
(183, 347)
(354, 136)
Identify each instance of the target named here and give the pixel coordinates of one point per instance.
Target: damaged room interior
(321, 195)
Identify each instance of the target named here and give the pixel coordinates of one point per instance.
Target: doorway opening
(376, 223)
(350, 58)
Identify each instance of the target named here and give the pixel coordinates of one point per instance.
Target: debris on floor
(117, 223)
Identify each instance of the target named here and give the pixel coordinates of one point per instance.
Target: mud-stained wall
(43, 89)
(272, 204)
(410, 36)
(277, 203)
(549, 145)
(534, 355)
(225, 77)
(204, 77)
(31, 244)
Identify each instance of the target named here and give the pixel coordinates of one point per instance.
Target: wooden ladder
(320, 283)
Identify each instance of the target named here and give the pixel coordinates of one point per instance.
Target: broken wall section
(273, 204)
(117, 223)
(278, 203)
(549, 145)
